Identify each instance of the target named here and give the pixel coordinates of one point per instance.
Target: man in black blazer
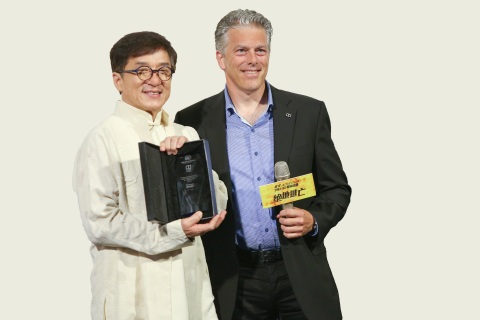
(256, 273)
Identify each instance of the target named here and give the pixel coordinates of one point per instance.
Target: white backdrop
(400, 80)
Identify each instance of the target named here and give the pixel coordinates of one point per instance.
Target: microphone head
(281, 171)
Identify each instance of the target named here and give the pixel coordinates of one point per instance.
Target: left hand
(193, 228)
(295, 222)
(172, 144)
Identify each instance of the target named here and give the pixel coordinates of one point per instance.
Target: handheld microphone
(282, 172)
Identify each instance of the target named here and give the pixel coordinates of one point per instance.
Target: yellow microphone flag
(288, 190)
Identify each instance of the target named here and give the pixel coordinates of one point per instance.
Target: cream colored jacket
(141, 270)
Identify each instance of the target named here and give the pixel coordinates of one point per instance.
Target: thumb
(195, 218)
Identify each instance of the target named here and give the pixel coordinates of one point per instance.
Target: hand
(172, 144)
(192, 228)
(295, 222)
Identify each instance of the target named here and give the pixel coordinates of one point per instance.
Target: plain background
(400, 80)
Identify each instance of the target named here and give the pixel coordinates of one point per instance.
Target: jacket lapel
(283, 125)
(214, 131)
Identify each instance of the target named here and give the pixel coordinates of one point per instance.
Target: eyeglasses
(146, 73)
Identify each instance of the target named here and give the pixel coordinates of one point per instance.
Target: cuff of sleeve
(314, 231)
(175, 231)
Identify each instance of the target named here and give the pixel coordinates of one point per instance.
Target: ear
(221, 60)
(118, 81)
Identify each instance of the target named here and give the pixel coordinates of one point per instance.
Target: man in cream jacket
(141, 270)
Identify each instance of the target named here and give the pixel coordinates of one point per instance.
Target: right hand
(171, 144)
(192, 228)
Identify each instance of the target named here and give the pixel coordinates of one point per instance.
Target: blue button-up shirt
(250, 155)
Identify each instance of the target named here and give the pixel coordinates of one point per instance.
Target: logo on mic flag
(287, 191)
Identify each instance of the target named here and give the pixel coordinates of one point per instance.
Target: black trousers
(265, 293)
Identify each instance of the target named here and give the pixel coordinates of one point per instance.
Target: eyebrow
(260, 46)
(143, 63)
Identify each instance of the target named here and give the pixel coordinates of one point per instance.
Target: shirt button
(256, 153)
(266, 229)
(253, 130)
(258, 178)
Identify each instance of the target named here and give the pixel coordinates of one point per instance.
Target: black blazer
(302, 139)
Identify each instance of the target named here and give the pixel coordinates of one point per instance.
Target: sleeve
(101, 193)
(333, 191)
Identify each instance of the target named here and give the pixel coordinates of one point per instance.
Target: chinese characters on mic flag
(287, 191)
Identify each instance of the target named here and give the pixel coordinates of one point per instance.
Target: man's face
(245, 61)
(148, 95)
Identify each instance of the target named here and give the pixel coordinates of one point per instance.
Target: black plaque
(176, 186)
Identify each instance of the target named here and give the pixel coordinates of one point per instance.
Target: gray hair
(239, 18)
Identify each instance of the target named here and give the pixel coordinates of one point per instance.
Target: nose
(155, 79)
(251, 57)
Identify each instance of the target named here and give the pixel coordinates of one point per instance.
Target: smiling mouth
(153, 93)
(251, 73)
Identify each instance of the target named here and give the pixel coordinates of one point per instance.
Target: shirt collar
(138, 116)
(230, 108)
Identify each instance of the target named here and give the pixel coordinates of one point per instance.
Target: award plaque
(176, 186)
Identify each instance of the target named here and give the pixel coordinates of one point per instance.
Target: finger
(292, 235)
(282, 213)
(172, 145)
(206, 227)
(215, 222)
(190, 224)
(291, 222)
(289, 213)
(180, 141)
(162, 146)
(195, 218)
(291, 229)
(166, 145)
(222, 215)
